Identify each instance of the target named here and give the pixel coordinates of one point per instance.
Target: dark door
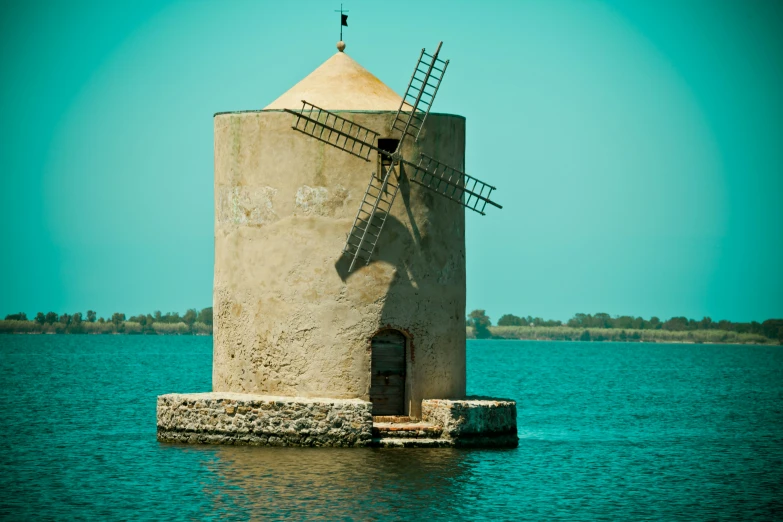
(387, 383)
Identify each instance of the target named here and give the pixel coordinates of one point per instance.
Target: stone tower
(289, 318)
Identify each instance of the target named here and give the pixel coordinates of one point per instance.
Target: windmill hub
(361, 141)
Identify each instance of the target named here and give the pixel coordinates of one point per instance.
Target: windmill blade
(373, 211)
(420, 94)
(451, 183)
(334, 130)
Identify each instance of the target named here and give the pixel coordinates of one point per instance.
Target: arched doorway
(387, 379)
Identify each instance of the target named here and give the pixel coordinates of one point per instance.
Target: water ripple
(607, 432)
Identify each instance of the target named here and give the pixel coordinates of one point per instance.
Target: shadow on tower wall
(400, 246)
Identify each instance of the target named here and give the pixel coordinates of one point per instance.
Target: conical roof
(340, 84)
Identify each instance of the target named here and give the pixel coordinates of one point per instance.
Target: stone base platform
(478, 422)
(262, 420)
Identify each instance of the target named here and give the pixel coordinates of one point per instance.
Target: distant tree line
(627, 328)
(192, 321)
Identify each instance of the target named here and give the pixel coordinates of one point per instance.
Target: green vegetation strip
(192, 322)
(603, 327)
(565, 333)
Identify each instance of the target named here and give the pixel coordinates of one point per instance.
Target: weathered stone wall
(474, 421)
(289, 320)
(235, 418)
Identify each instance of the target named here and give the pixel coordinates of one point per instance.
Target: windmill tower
(314, 298)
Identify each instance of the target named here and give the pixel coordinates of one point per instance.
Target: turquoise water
(607, 431)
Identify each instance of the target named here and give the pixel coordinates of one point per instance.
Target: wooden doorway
(387, 380)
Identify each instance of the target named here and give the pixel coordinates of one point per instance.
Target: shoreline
(134, 334)
(468, 338)
(21, 327)
(609, 335)
(771, 343)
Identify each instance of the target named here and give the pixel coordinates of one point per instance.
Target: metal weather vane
(360, 141)
(343, 20)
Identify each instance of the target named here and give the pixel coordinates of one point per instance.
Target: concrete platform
(474, 421)
(261, 420)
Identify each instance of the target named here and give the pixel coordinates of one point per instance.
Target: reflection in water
(330, 483)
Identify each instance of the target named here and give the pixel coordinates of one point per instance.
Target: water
(607, 431)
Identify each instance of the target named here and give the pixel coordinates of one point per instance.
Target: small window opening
(388, 145)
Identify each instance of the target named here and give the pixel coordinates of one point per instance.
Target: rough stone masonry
(256, 420)
(262, 420)
(474, 421)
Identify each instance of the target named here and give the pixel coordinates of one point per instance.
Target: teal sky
(637, 146)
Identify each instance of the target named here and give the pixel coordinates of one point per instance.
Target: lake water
(607, 431)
